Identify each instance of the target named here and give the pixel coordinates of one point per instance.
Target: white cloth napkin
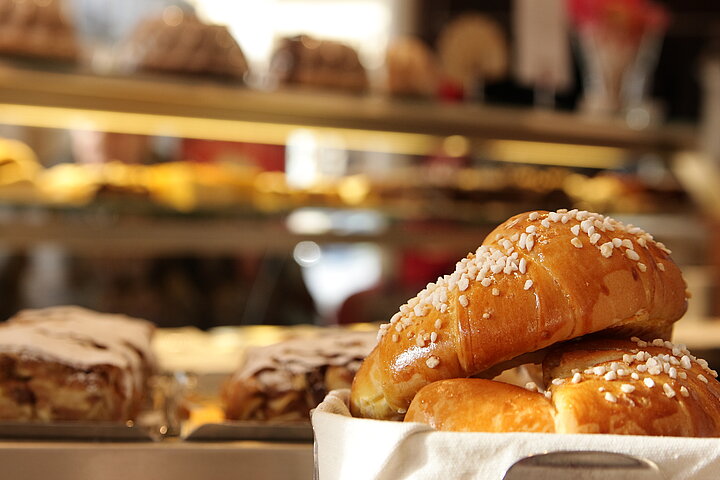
(353, 448)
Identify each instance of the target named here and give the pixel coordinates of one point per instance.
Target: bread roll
(477, 405)
(593, 386)
(540, 278)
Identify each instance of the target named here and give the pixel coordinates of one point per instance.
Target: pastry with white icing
(284, 381)
(70, 363)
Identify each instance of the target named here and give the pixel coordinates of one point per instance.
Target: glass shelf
(198, 108)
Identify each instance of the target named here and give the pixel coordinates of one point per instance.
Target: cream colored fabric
(350, 448)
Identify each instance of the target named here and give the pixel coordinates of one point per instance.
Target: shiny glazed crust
(600, 386)
(477, 405)
(538, 279)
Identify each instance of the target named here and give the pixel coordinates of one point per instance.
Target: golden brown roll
(540, 278)
(593, 386)
(478, 405)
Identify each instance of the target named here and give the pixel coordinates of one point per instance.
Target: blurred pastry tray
(91, 431)
(249, 430)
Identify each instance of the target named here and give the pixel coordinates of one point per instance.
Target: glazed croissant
(601, 386)
(538, 279)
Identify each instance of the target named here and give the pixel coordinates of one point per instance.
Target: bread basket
(354, 448)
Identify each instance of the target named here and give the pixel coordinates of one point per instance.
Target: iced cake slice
(284, 381)
(70, 363)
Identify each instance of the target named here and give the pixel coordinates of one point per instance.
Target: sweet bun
(592, 386)
(478, 405)
(539, 279)
(633, 388)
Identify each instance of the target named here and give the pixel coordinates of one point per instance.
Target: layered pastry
(179, 42)
(70, 363)
(307, 61)
(37, 28)
(284, 381)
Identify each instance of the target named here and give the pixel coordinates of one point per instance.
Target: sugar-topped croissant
(598, 386)
(538, 279)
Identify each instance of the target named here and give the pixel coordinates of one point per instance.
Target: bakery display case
(445, 171)
(532, 151)
(266, 195)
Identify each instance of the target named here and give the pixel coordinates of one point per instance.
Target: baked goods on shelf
(70, 363)
(180, 185)
(37, 28)
(191, 185)
(284, 381)
(473, 51)
(19, 169)
(629, 387)
(412, 68)
(18, 163)
(304, 60)
(540, 278)
(178, 41)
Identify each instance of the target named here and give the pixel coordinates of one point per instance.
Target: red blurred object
(620, 43)
(265, 157)
(450, 91)
(418, 268)
(633, 18)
